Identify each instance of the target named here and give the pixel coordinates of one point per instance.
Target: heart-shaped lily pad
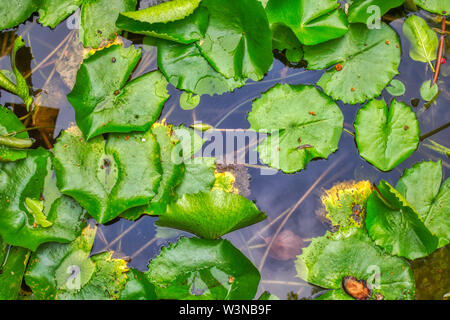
(386, 136)
(105, 102)
(308, 125)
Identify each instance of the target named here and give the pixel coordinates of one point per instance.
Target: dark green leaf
(284, 38)
(386, 136)
(195, 269)
(309, 123)
(104, 102)
(9, 124)
(14, 12)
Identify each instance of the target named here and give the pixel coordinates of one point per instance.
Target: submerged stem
(15, 142)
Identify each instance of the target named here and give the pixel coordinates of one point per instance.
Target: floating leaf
(435, 6)
(395, 226)
(237, 41)
(363, 10)
(98, 20)
(186, 68)
(309, 123)
(212, 214)
(336, 294)
(52, 12)
(13, 261)
(369, 60)
(138, 287)
(66, 272)
(313, 21)
(423, 41)
(386, 136)
(107, 178)
(332, 257)
(195, 269)
(14, 12)
(345, 204)
(26, 179)
(198, 176)
(188, 101)
(396, 88)
(428, 91)
(421, 186)
(284, 39)
(9, 124)
(104, 102)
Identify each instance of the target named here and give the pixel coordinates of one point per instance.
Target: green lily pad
(428, 91)
(435, 6)
(211, 215)
(14, 12)
(107, 178)
(188, 101)
(104, 102)
(395, 226)
(312, 21)
(52, 12)
(336, 294)
(98, 20)
(421, 186)
(66, 272)
(9, 123)
(13, 261)
(238, 40)
(186, 68)
(198, 176)
(284, 39)
(396, 88)
(423, 41)
(26, 178)
(308, 124)
(360, 10)
(386, 136)
(198, 269)
(369, 61)
(138, 287)
(332, 257)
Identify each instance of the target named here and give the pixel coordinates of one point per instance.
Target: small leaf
(395, 131)
(396, 88)
(309, 125)
(428, 91)
(211, 214)
(436, 6)
(104, 102)
(421, 186)
(394, 225)
(203, 270)
(36, 208)
(188, 101)
(423, 40)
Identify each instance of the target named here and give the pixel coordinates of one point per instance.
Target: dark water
(291, 202)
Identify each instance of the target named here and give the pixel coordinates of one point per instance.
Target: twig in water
(440, 53)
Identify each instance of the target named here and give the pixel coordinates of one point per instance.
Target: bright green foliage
(336, 294)
(396, 88)
(138, 287)
(14, 12)
(303, 124)
(195, 269)
(105, 102)
(386, 136)
(362, 10)
(21, 87)
(312, 21)
(436, 6)
(369, 60)
(26, 179)
(211, 214)
(98, 20)
(66, 272)
(428, 91)
(330, 258)
(421, 186)
(107, 178)
(36, 208)
(283, 38)
(188, 101)
(186, 68)
(238, 41)
(52, 12)
(198, 176)
(423, 41)
(13, 261)
(9, 123)
(395, 225)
